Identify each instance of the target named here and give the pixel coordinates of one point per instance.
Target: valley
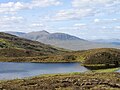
(98, 64)
(59, 44)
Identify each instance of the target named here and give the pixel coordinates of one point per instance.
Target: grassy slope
(9, 43)
(73, 81)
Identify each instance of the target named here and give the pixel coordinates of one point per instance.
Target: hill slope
(11, 45)
(66, 41)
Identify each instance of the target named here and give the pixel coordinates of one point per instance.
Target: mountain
(108, 41)
(44, 35)
(15, 33)
(13, 46)
(66, 41)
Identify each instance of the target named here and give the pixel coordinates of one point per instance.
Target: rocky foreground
(75, 81)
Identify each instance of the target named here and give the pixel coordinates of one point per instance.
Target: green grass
(4, 43)
(94, 65)
(80, 58)
(106, 70)
(2, 40)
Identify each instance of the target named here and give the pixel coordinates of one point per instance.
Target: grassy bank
(100, 66)
(106, 70)
(73, 81)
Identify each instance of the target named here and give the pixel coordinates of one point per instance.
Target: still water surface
(118, 71)
(10, 70)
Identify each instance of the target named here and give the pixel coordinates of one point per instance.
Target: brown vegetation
(92, 81)
(14, 42)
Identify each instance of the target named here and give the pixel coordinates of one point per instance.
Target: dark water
(21, 70)
(118, 71)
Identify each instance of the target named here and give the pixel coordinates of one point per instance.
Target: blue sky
(88, 19)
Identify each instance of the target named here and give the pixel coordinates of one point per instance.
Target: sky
(87, 19)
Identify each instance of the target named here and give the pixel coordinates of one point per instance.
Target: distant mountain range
(109, 41)
(63, 40)
(15, 33)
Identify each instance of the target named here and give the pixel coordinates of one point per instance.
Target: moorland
(15, 49)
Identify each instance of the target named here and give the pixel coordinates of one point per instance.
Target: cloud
(12, 7)
(106, 21)
(43, 3)
(79, 24)
(100, 6)
(96, 20)
(37, 25)
(91, 3)
(7, 19)
(10, 21)
(72, 14)
(87, 8)
(117, 27)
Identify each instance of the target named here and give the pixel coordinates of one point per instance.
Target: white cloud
(117, 27)
(92, 3)
(10, 21)
(72, 14)
(12, 7)
(79, 24)
(43, 3)
(99, 6)
(106, 21)
(6, 19)
(37, 25)
(96, 20)
(104, 27)
(87, 8)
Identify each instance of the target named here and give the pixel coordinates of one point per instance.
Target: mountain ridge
(66, 41)
(113, 41)
(50, 36)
